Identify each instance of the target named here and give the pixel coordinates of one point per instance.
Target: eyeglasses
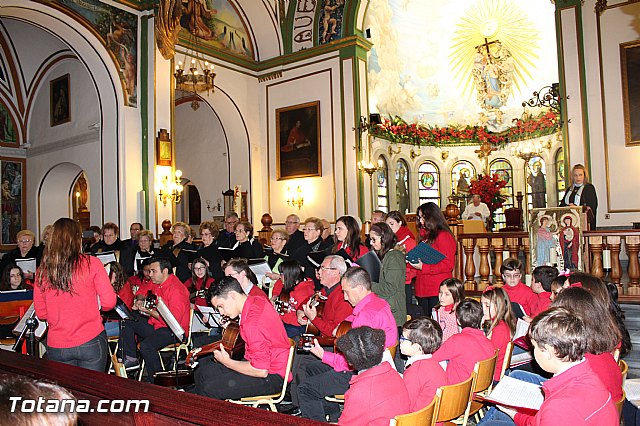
(202, 268)
(311, 229)
(277, 238)
(404, 339)
(513, 276)
(232, 222)
(24, 241)
(240, 230)
(206, 234)
(288, 222)
(327, 268)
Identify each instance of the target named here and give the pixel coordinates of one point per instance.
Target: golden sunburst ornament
(487, 32)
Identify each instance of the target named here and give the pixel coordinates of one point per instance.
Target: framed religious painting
(164, 150)
(556, 237)
(298, 141)
(630, 65)
(59, 99)
(12, 200)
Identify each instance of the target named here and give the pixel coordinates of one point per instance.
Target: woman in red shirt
(434, 231)
(347, 236)
(70, 290)
(293, 288)
(199, 282)
(406, 239)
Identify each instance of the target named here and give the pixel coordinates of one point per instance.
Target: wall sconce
(171, 190)
(296, 201)
(369, 168)
(413, 154)
(444, 155)
(393, 152)
(217, 207)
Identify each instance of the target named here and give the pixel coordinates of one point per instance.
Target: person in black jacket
(173, 250)
(248, 247)
(296, 237)
(314, 243)
(581, 193)
(25, 250)
(227, 237)
(209, 251)
(111, 242)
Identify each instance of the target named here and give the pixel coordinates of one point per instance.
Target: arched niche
(54, 195)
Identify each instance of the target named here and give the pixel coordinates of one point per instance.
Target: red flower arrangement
(488, 188)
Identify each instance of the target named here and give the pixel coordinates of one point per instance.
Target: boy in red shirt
(518, 292)
(541, 279)
(421, 337)
(464, 349)
(574, 395)
(377, 393)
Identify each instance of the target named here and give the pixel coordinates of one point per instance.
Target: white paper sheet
(516, 393)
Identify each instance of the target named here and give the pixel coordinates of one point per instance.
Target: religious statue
(82, 187)
(402, 192)
(569, 243)
(168, 26)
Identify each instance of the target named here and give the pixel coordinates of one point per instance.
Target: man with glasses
(296, 236)
(25, 250)
(227, 237)
(519, 293)
(111, 242)
(132, 243)
(336, 309)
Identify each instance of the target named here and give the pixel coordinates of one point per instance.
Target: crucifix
(486, 46)
(483, 153)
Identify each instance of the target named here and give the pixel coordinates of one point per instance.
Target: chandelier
(198, 76)
(171, 189)
(529, 148)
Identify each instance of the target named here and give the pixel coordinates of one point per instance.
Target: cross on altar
(483, 152)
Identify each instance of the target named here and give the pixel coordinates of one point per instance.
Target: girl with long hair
(434, 231)
(12, 278)
(450, 295)
(291, 289)
(347, 237)
(67, 288)
(499, 322)
(390, 286)
(406, 243)
(199, 282)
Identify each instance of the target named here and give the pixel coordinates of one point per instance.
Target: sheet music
(426, 253)
(516, 393)
(27, 265)
(632, 389)
(31, 312)
(522, 328)
(106, 257)
(215, 319)
(261, 269)
(171, 321)
(519, 359)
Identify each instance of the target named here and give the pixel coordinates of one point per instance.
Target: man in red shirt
(266, 348)
(154, 332)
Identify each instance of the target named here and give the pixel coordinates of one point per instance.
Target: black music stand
(28, 330)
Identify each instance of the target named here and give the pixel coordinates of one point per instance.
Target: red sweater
(126, 294)
(197, 286)
(608, 371)
(408, 241)
(574, 397)
(362, 250)
(429, 278)
(500, 337)
(176, 296)
(257, 291)
(301, 292)
(375, 396)
(542, 303)
(523, 295)
(423, 378)
(462, 351)
(336, 310)
(266, 342)
(74, 318)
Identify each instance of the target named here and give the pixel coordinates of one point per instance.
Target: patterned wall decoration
(118, 31)
(11, 199)
(7, 128)
(330, 22)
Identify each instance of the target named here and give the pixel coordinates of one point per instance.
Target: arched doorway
(55, 194)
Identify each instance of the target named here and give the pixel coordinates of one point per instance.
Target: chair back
(620, 403)
(624, 368)
(392, 350)
(287, 373)
(508, 352)
(425, 417)
(453, 400)
(483, 373)
(118, 367)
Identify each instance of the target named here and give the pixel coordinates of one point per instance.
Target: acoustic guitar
(283, 304)
(306, 340)
(316, 301)
(231, 342)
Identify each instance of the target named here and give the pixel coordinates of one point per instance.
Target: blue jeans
(112, 328)
(92, 355)
(293, 331)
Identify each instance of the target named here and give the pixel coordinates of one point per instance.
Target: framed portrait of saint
(164, 150)
(298, 141)
(59, 97)
(630, 65)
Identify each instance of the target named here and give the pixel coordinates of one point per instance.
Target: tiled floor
(632, 313)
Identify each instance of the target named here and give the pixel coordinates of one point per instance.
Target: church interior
(160, 112)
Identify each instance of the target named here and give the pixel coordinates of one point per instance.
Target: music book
(31, 312)
(632, 390)
(518, 310)
(521, 337)
(260, 267)
(106, 257)
(123, 310)
(191, 254)
(520, 359)
(27, 265)
(513, 393)
(171, 321)
(316, 257)
(226, 253)
(139, 262)
(426, 253)
(370, 262)
(343, 254)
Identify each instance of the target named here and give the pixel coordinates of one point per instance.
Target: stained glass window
(560, 174)
(429, 183)
(503, 168)
(382, 179)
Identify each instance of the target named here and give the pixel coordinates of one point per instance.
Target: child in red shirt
(466, 348)
(421, 337)
(560, 339)
(377, 393)
(294, 289)
(498, 321)
(541, 279)
(450, 296)
(518, 292)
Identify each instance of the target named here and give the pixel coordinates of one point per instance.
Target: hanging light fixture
(197, 76)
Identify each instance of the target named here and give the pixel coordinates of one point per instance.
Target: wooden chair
(620, 403)
(507, 359)
(624, 368)
(392, 350)
(173, 347)
(118, 367)
(482, 376)
(454, 400)
(276, 398)
(425, 417)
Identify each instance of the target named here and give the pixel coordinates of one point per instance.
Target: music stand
(176, 331)
(125, 314)
(29, 326)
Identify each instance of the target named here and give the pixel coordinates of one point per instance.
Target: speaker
(374, 118)
(367, 33)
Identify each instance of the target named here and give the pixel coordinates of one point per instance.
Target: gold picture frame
(298, 141)
(630, 66)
